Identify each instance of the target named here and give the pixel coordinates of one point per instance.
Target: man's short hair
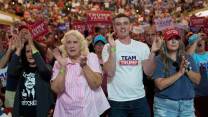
(120, 15)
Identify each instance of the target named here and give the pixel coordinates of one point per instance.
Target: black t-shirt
(28, 100)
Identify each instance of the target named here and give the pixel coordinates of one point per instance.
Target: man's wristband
(113, 49)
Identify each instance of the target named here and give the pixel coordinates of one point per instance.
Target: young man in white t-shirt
(124, 61)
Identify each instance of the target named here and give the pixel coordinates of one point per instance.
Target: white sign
(182, 26)
(137, 29)
(162, 24)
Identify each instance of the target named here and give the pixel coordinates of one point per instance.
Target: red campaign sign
(38, 29)
(99, 16)
(205, 29)
(206, 22)
(81, 26)
(197, 21)
(90, 28)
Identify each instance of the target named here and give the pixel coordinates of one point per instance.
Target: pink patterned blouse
(78, 99)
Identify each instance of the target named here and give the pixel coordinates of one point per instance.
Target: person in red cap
(174, 77)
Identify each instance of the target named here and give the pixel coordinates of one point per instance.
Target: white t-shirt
(127, 83)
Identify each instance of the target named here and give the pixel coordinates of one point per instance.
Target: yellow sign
(7, 18)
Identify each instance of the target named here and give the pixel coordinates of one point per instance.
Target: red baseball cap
(170, 33)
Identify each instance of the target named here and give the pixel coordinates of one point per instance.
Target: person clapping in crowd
(33, 95)
(174, 78)
(77, 79)
(124, 61)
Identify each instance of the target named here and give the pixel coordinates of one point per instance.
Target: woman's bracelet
(113, 49)
(62, 71)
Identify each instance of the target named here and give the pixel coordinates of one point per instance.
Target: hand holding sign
(38, 29)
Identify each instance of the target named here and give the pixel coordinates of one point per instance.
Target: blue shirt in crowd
(182, 89)
(202, 63)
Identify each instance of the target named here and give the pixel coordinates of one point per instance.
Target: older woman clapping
(76, 80)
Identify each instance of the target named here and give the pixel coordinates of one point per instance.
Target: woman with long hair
(77, 79)
(175, 76)
(33, 95)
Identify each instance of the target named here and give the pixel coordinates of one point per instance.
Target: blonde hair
(83, 42)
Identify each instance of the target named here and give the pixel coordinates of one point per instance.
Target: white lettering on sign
(99, 16)
(95, 16)
(39, 29)
(162, 24)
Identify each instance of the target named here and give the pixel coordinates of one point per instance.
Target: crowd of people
(131, 67)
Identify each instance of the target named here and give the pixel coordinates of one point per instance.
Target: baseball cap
(99, 38)
(170, 33)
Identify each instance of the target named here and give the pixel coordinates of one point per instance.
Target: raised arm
(149, 64)
(59, 72)
(5, 59)
(191, 48)
(14, 65)
(94, 79)
(110, 65)
(43, 69)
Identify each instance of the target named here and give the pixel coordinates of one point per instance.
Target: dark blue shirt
(182, 89)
